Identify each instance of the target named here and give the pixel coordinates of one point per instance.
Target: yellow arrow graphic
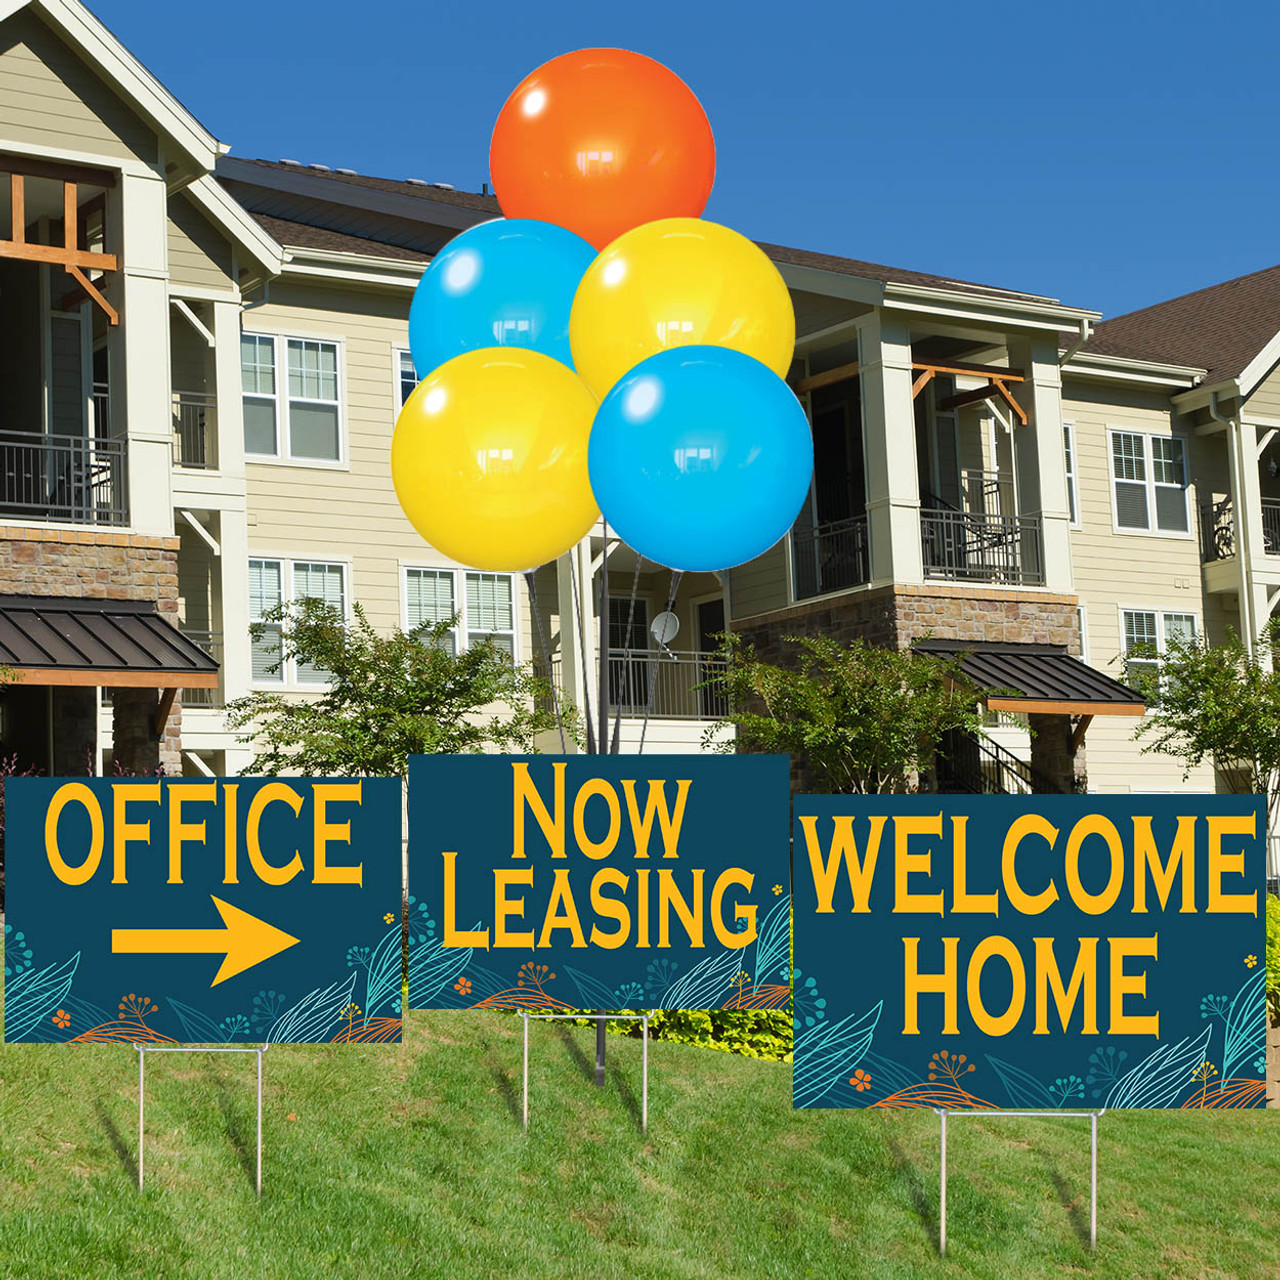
(244, 942)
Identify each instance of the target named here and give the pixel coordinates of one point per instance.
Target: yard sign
(203, 911)
(598, 882)
(1033, 952)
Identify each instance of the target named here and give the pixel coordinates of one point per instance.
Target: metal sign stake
(600, 1019)
(1026, 1115)
(144, 1049)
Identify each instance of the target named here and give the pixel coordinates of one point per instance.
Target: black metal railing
(74, 479)
(101, 411)
(211, 643)
(672, 685)
(975, 546)
(831, 557)
(1218, 529)
(978, 765)
(195, 430)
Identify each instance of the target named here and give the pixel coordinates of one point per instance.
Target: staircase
(978, 765)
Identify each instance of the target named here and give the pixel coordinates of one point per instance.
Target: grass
(410, 1161)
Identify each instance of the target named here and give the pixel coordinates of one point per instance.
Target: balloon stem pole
(602, 737)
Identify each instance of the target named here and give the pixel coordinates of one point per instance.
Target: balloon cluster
(602, 348)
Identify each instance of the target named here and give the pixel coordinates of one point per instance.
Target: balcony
(978, 546)
(195, 431)
(69, 479)
(831, 557)
(211, 643)
(665, 684)
(1218, 531)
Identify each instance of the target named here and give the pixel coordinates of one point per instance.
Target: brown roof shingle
(302, 235)
(1220, 329)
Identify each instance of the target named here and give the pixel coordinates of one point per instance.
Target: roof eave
(1109, 368)
(1023, 312)
(219, 205)
(352, 268)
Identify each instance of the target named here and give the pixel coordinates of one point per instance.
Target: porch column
(1051, 753)
(1039, 454)
(1251, 539)
(889, 434)
(135, 748)
(140, 349)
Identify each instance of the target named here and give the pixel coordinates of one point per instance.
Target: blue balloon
(700, 458)
(505, 283)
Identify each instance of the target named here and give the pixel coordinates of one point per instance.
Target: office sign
(598, 882)
(1030, 952)
(203, 910)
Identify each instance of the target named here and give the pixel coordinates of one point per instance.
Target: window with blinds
(407, 375)
(1148, 634)
(1149, 478)
(318, 581)
(265, 593)
(1069, 449)
(483, 602)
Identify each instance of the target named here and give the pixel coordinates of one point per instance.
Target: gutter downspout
(1247, 628)
(1086, 332)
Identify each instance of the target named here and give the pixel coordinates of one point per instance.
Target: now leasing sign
(1035, 952)
(202, 911)
(598, 882)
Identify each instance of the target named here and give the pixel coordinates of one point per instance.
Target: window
(1083, 623)
(1147, 634)
(1069, 445)
(407, 376)
(275, 582)
(485, 603)
(296, 418)
(1149, 477)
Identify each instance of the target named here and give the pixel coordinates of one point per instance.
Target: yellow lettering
(1084, 979)
(961, 899)
(1122, 984)
(453, 936)
(556, 918)
(907, 863)
(323, 794)
(844, 848)
(74, 793)
(1147, 857)
(271, 793)
(917, 984)
(1095, 904)
(656, 805)
(504, 907)
(124, 831)
(669, 896)
(524, 792)
(987, 1023)
(1029, 824)
(1223, 864)
(609, 908)
(728, 938)
(596, 849)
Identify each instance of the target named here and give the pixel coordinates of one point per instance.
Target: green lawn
(409, 1161)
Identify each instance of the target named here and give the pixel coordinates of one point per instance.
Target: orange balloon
(599, 141)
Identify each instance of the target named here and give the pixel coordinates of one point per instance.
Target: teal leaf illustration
(1024, 1090)
(315, 1016)
(706, 985)
(1163, 1076)
(1245, 1031)
(35, 995)
(595, 995)
(890, 1076)
(773, 943)
(197, 1027)
(432, 967)
(827, 1054)
(386, 969)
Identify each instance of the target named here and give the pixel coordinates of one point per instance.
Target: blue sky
(1107, 154)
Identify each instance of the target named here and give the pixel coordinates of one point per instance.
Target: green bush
(752, 1033)
(1273, 957)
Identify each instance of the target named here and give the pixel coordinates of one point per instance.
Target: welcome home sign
(599, 882)
(1033, 952)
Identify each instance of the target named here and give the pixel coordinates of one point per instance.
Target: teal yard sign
(1029, 953)
(599, 882)
(157, 911)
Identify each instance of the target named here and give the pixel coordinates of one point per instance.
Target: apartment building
(998, 474)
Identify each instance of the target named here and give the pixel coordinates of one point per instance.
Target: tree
(1217, 703)
(864, 719)
(388, 697)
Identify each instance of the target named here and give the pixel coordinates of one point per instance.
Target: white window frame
(1161, 612)
(1152, 530)
(1073, 473)
(284, 457)
(398, 352)
(1082, 614)
(288, 675)
(462, 632)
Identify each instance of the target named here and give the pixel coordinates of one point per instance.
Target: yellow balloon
(678, 282)
(489, 459)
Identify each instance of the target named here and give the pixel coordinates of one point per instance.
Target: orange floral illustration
(950, 1066)
(139, 1007)
(860, 1080)
(534, 975)
(62, 1018)
(463, 986)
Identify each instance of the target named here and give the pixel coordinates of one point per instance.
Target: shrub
(752, 1033)
(1273, 957)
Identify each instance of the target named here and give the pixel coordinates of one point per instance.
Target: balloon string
(626, 649)
(575, 622)
(648, 706)
(546, 654)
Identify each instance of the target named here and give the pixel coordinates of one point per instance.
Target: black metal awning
(54, 640)
(1037, 678)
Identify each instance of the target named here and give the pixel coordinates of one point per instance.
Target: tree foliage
(864, 719)
(388, 697)
(1218, 704)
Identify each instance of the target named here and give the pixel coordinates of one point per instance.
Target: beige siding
(1265, 400)
(198, 255)
(760, 585)
(1115, 571)
(49, 97)
(347, 513)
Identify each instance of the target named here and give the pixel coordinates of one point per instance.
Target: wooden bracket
(1077, 734)
(162, 711)
(1013, 404)
(921, 382)
(841, 373)
(90, 290)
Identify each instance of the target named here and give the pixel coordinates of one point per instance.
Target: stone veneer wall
(900, 615)
(98, 564)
